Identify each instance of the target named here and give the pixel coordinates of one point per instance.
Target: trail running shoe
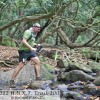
(38, 79)
(12, 84)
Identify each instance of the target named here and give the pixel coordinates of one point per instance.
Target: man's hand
(38, 44)
(39, 48)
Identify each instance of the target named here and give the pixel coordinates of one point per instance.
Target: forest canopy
(74, 23)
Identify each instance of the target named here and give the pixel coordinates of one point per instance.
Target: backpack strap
(29, 37)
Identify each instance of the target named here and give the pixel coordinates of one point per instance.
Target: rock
(63, 88)
(76, 75)
(45, 73)
(49, 67)
(24, 75)
(62, 63)
(76, 66)
(98, 73)
(40, 84)
(61, 77)
(71, 67)
(90, 53)
(89, 88)
(87, 97)
(75, 87)
(85, 68)
(97, 93)
(94, 66)
(97, 81)
(73, 96)
(46, 86)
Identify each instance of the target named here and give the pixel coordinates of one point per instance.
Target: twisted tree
(74, 22)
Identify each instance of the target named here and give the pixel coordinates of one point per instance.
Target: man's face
(36, 29)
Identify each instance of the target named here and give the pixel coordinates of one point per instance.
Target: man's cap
(36, 25)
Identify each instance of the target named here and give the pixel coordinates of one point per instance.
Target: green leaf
(56, 55)
(2, 3)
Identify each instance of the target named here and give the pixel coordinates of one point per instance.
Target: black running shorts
(26, 55)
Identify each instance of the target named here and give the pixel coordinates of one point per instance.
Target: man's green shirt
(31, 42)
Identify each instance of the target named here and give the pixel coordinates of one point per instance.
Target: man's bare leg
(17, 69)
(37, 66)
(15, 73)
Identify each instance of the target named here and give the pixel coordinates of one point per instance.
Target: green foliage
(98, 2)
(50, 40)
(78, 11)
(86, 52)
(49, 67)
(2, 3)
(89, 53)
(20, 3)
(97, 54)
(94, 65)
(81, 39)
(46, 72)
(55, 55)
(8, 42)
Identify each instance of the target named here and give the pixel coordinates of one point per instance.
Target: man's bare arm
(24, 41)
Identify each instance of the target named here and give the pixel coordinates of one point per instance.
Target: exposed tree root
(4, 63)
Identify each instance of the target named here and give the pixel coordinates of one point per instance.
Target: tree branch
(26, 19)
